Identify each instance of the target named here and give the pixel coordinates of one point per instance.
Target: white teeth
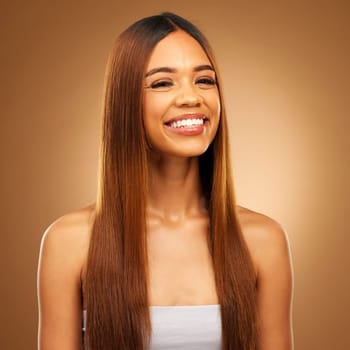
(187, 122)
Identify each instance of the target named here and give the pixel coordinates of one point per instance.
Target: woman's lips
(187, 124)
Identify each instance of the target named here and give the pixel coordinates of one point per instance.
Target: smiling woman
(165, 259)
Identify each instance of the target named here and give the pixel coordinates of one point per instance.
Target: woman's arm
(270, 251)
(275, 289)
(62, 253)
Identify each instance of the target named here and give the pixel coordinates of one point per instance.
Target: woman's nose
(188, 96)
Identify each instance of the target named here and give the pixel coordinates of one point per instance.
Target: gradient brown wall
(286, 83)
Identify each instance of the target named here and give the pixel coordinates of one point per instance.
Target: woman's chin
(181, 152)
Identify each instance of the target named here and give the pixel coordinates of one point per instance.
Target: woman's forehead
(177, 50)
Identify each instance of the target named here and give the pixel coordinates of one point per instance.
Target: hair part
(116, 285)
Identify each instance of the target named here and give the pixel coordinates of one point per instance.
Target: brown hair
(117, 270)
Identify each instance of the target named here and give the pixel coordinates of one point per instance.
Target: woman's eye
(161, 85)
(206, 82)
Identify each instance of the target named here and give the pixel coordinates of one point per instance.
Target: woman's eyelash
(208, 81)
(160, 84)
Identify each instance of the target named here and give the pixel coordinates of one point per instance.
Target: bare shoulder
(265, 237)
(71, 228)
(259, 226)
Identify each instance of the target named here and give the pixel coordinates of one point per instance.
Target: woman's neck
(174, 188)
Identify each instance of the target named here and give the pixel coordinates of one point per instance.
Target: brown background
(285, 67)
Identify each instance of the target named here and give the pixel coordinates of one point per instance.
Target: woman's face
(181, 98)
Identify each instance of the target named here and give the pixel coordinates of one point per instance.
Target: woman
(165, 248)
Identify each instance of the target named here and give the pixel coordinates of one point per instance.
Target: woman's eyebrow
(160, 69)
(204, 67)
(174, 70)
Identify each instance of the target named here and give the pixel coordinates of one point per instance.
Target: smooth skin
(181, 271)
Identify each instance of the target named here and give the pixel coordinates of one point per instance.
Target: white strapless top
(184, 327)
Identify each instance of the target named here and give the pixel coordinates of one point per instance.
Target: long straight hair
(117, 276)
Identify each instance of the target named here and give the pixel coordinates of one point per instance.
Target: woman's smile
(189, 124)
